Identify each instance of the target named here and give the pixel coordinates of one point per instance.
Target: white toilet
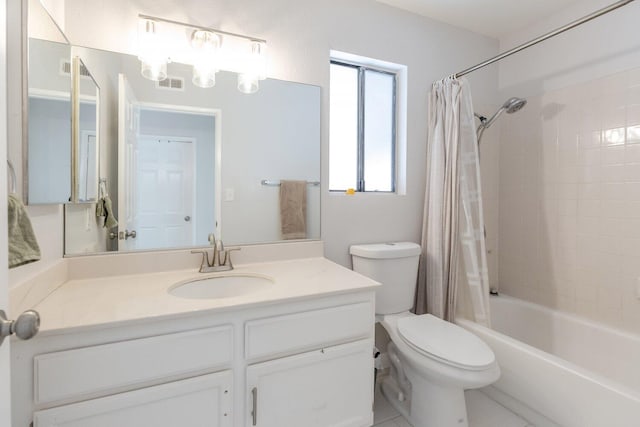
(432, 361)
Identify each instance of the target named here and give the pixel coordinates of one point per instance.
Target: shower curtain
(453, 224)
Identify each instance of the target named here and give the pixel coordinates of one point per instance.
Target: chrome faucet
(218, 263)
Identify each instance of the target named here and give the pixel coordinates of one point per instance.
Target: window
(363, 127)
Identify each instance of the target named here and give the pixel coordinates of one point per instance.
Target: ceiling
(493, 18)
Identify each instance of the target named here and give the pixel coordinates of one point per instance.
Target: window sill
(337, 193)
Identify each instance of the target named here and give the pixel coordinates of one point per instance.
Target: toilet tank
(395, 266)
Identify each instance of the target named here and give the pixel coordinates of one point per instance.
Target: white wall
(570, 188)
(607, 45)
(300, 35)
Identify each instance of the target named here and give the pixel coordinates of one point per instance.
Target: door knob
(25, 327)
(187, 218)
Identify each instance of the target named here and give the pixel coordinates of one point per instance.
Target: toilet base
(435, 405)
(395, 396)
(432, 406)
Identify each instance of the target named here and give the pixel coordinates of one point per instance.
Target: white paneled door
(165, 192)
(5, 384)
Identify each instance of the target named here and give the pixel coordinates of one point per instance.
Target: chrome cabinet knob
(26, 326)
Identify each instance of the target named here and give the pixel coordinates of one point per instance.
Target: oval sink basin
(224, 286)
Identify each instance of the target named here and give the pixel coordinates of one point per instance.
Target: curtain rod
(544, 37)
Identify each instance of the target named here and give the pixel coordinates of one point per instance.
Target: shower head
(511, 106)
(514, 104)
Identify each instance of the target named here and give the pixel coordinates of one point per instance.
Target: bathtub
(574, 372)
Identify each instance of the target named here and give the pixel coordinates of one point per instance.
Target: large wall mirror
(179, 162)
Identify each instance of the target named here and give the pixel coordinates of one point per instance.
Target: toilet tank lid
(386, 250)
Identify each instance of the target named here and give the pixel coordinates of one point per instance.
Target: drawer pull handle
(254, 409)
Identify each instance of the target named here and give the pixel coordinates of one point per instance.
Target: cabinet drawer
(93, 371)
(282, 335)
(201, 401)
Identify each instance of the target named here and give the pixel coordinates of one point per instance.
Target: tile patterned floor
(483, 412)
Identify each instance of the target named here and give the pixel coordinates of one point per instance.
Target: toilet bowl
(432, 361)
(440, 360)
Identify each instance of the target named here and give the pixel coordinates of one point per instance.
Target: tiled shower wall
(569, 215)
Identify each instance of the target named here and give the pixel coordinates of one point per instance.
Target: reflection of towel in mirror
(293, 209)
(23, 246)
(104, 208)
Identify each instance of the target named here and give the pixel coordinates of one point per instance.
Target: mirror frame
(76, 64)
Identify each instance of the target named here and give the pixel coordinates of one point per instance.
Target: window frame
(362, 69)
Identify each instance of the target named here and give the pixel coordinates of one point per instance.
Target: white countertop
(87, 302)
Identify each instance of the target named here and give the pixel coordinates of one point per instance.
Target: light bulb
(254, 68)
(153, 61)
(203, 76)
(205, 45)
(248, 83)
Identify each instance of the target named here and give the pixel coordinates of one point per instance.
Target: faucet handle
(227, 256)
(205, 258)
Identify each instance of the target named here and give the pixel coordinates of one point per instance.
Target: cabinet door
(196, 402)
(325, 388)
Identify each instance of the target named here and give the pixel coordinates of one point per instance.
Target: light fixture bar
(198, 27)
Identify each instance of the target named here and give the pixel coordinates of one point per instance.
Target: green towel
(23, 246)
(104, 208)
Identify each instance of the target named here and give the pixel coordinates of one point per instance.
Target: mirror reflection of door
(163, 188)
(167, 170)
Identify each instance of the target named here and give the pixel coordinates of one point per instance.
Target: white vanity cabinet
(304, 363)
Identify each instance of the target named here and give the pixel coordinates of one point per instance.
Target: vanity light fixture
(153, 60)
(162, 41)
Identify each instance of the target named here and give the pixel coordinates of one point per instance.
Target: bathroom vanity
(117, 349)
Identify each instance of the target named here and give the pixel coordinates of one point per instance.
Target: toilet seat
(445, 342)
